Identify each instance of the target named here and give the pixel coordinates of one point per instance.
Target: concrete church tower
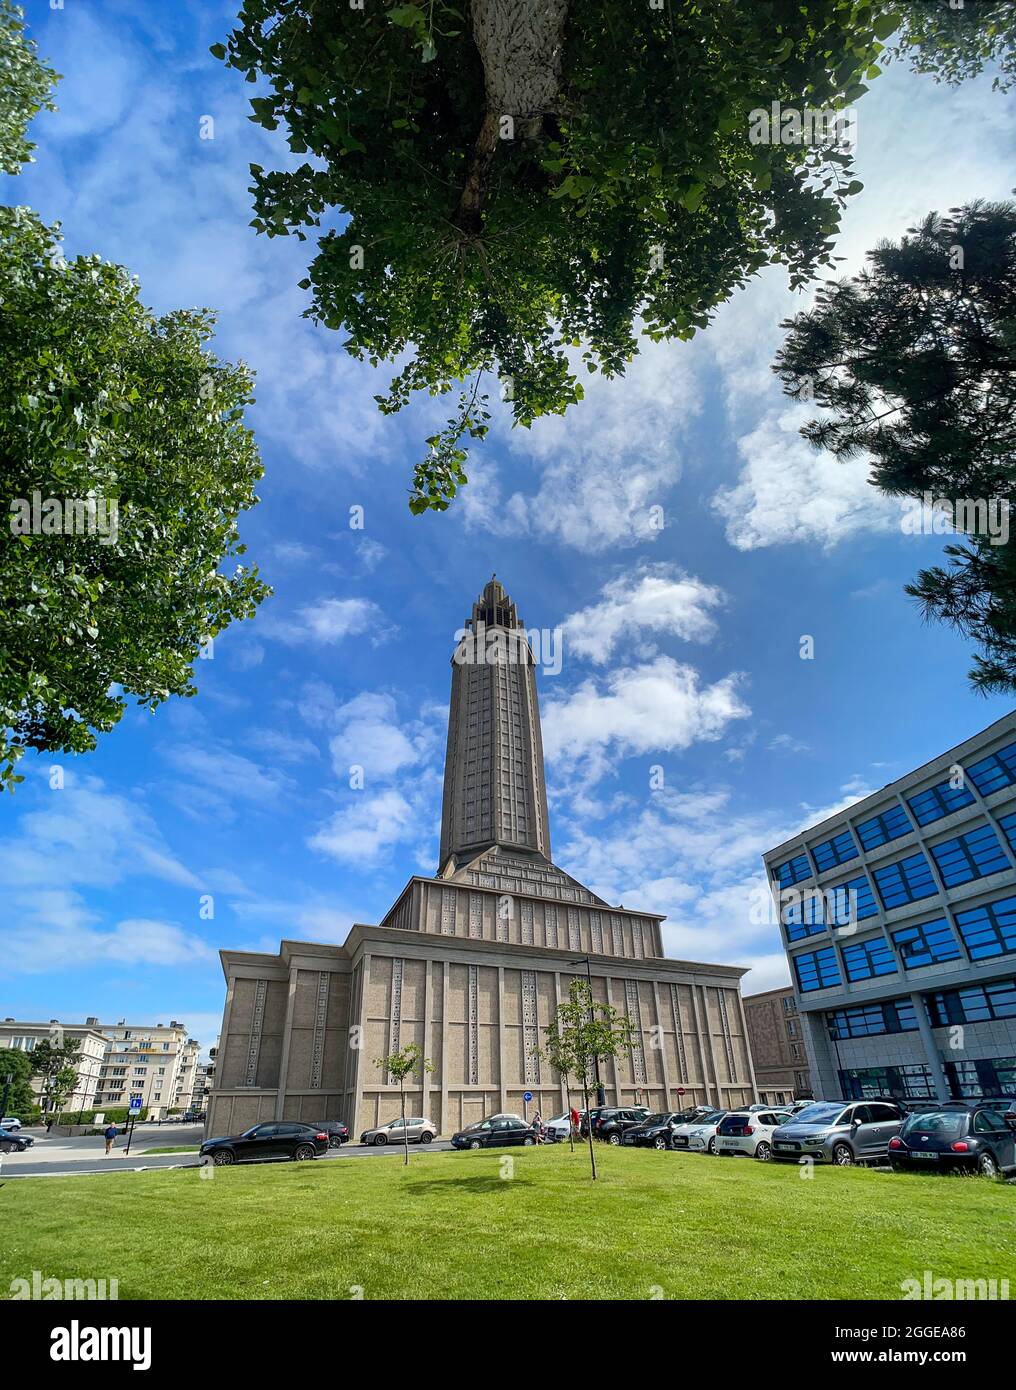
(470, 964)
(494, 786)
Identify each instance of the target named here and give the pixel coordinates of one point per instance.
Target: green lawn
(450, 1226)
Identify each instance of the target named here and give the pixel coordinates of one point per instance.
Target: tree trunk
(520, 43)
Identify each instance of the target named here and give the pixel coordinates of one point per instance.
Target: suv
(974, 1137)
(10, 1123)
(654, 1131)
(609, 1125)
(840, 1132)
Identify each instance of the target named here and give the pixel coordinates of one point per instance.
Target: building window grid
(938, 801)
(817, 970)
(974, 854)
(839, 849)
(868, 960)
(926, 944)
(997, 770)
(905, 881)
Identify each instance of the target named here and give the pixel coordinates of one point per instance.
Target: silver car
(420, 1131)
(840, 1132)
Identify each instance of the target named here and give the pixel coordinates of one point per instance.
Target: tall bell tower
(495, 791)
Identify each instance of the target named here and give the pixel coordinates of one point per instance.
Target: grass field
(450, 1226)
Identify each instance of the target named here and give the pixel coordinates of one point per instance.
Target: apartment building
(157, 1062)
(777, 1046)
(25, 1037)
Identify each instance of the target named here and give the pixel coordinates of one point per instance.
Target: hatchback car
(974, 1139)
(699, 1137)
(496, 1133)
(420, 1131)
(749, 1132)
(338, 1133)
(840, 1132)
(265, 1142)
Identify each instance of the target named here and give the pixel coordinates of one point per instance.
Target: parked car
(654, 1132)
(12, 1142)
(267, 1141)
(11, 1123)
(680, 1132)
(497, 1132)
(975, 1138)
(701, 1138)
(557, 1129)
(749, 1132)
(193, 1117)
(421, 1131)
(796, 1106)
(338, 1133)
(840, 1132)
(611, 1123)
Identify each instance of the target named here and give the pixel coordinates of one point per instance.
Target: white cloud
(370, 736)
(366, 828)
(33, 947)
(658, 705)
(655, 598)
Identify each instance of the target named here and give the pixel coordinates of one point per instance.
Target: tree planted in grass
(528, 184)
(16, 1094)
(400, 1065)
(124, 463)
(583, 1033)
(56, 1063)
(914, 361)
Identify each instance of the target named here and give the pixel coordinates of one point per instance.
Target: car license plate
(627, 1139)
(681, 1139)
(728, 1143)
(787, 1148)
(919, 1153)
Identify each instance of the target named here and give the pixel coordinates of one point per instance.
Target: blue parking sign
(135, 1104)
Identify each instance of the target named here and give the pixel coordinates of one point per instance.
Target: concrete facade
(777, 1046)
(471, 963)
(903, 953)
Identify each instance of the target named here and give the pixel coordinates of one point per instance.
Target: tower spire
(495, 789)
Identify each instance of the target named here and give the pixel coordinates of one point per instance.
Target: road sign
(680, 1090)
(135, 1104)
(527, 1096)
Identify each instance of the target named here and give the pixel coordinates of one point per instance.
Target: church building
(470, 963)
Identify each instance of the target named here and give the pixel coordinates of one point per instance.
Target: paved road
(50, 1157)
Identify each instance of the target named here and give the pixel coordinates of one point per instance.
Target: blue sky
(681, 644)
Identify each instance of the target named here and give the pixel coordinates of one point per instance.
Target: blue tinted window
(1008, 824)
(890, 825)
(817, 970)
(802, 915)
(863, 959)
(872, 1020)
(792, 871)
(973, 1005)
(923, 945)
(994, 771)
(938, 801)
(905, 881)
(835, 851)
(989, 930)
(851, 901)
(969, 856)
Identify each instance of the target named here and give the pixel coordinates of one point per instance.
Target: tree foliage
(21, 1100)
(954, 42)
(25, 86)
(915, 362)
(102, 406)
(631, 201)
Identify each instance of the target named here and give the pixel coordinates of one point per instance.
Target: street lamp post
(601, 1095)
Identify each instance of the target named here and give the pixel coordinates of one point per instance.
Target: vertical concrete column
(287, 1033)
(661, 1035)
(557, 1000)
(938, 1077)
(427, 1006)
(447, 1126)
(361, 1023)
(607, 983)
(502, 1052)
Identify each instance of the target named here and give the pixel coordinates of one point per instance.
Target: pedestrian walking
(109, 1135)
(538, 1127)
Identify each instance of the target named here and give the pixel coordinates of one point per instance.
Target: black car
(271, 1140)
(610, 1124)
(654, 1132)
(11, 1143)
(338, 1133)
(979, 1137)
(495, 1133)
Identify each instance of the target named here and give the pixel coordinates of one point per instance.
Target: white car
(557, 1129)
(10, 1123)
(700, 1135)
(742, 1132)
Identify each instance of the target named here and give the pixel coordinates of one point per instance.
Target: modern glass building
(898, 917)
